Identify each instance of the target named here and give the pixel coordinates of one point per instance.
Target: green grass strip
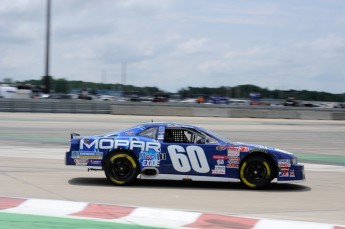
(15, 221)
(318, 157)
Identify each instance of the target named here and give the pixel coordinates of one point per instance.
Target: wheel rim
(256, 172)
(121, 168)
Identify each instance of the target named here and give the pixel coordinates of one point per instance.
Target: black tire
(256, 172)
(121, 168)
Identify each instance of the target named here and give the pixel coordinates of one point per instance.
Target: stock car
(173, 151)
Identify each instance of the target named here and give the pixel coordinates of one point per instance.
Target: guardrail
(167, 109)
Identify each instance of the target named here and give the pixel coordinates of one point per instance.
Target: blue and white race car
(172, 151)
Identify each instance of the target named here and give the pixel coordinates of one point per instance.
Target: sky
(174, 44)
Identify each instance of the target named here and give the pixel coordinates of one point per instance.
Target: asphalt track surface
(32, 148)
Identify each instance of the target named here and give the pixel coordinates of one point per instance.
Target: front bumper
(294, 173)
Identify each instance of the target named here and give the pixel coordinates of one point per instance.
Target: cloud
(331, 43)
(193, 46)
(173, 44)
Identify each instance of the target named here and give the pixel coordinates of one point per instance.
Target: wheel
(121, 168)
(256, 172)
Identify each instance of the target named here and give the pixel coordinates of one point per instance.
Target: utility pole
(47, 77)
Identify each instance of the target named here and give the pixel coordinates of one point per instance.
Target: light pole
(47, 76)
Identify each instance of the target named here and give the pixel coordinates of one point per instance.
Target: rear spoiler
(74, 135)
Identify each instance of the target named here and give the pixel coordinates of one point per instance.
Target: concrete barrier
(150, 110)
(338, 116)
(248, 113)
(210, 112)
(286, 114)
(167, 109)
(315, 115)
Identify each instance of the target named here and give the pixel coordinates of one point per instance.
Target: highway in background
(32, 148)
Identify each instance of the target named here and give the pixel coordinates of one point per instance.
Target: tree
(46, 81)
(61, 86)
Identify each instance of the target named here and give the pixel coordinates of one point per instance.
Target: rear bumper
(90, 161)
(292, 174)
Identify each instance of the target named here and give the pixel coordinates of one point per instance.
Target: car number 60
(195, 159)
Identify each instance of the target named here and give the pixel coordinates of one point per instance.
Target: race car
(173, 151)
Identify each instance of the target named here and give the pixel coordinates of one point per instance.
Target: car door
(187, 153)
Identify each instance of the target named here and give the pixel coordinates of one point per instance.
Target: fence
(167, 109)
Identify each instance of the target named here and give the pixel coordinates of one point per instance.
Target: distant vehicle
(340, 105)
(218, 100)
(24, 91)
(238, 102)
(134, 98)
(291, 101)
(174, 98)
(190, 100)
(85, 95)
(146, 99)
(160, 97)
(106, 98)
(8, 92)
(61, 96)
(255, 98)
(173, 151)
(200, 99)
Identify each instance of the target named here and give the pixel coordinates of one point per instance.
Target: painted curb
(146, 216)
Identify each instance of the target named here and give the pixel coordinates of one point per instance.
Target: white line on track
(323, 168)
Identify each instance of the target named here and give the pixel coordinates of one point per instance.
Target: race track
(32, 148)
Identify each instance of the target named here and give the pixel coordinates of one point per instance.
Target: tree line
(241, 91)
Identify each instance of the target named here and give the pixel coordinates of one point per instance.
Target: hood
(277, 152)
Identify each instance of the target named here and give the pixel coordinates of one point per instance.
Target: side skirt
(186, 177)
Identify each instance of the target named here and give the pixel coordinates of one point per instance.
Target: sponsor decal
(150, 163)
(75, 154)
(163, 156)
(234, 158)
(149, 159)
(232, 166)
(232, 148)
(218, 169)
(110, 143)
(233, 153)
(81, 162)
(129, 133)
(238, 148)
(284, 172)
(160, 136)
(87, 155)
(220, 162)
(221, 148)
(95, 162)
(284, 163)
(219, 157)
(234, 162)
(244, 149)
(160, 133)
(292, 173)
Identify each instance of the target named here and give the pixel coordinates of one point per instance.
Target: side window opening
(175, 135)
(149, 133)
(180, 135)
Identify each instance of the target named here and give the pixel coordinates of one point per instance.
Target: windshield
(223, 139)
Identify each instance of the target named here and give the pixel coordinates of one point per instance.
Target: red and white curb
(146, 216)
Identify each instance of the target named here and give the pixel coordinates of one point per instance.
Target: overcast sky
(173, 44)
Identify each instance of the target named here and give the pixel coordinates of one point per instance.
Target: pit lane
(32, 148)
